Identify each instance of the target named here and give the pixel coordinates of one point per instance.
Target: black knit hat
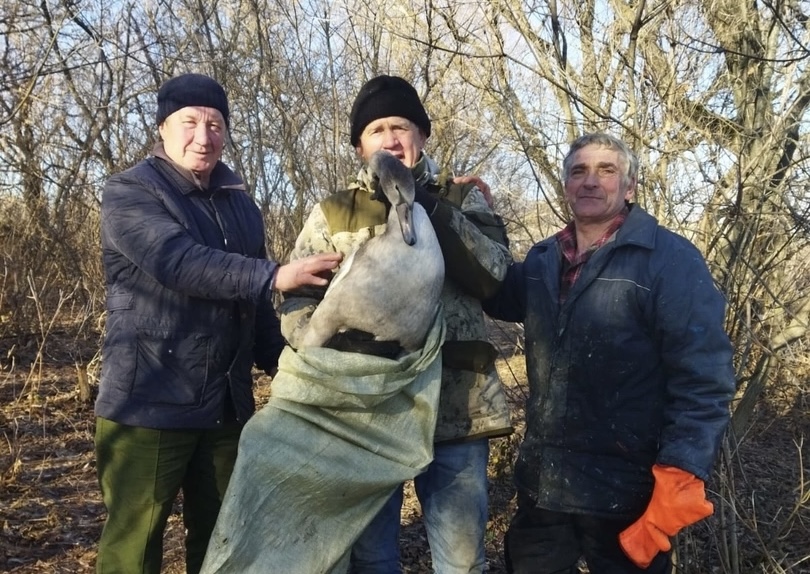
(386, 96)
(191, 90)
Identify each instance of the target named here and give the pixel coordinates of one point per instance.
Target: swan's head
(396, 187)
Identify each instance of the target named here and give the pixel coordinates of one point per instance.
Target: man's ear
(423, 139)
(630, 192)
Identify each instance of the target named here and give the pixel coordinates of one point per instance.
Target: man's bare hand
(313, 270)
(480, 184)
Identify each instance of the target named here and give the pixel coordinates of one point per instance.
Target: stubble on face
(596, 187)
(194, 137)
(396, 135)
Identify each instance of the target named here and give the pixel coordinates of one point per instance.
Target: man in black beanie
(188, 315)
(388, 115)
(387, 96)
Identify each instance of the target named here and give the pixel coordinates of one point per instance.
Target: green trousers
(140, 472)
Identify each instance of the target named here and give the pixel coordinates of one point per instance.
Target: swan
(390, 285)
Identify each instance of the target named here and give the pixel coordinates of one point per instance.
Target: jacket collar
(426, 171)
(638, 229)
(222, 177)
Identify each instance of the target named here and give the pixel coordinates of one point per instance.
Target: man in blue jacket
(630, 377)
(188, 315)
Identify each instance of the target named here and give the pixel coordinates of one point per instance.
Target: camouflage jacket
(476, 254)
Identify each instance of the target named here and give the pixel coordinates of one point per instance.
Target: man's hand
(313, 270)
(480, 184)
(678, 500)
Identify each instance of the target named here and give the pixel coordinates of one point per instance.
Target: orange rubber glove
(678, 500)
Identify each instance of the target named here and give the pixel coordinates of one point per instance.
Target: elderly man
(387, 114)
(188, 313)
(630, 377)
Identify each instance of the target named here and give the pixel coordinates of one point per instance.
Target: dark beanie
(191, 90)
(383, 97)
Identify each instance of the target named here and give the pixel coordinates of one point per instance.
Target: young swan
(390, 286)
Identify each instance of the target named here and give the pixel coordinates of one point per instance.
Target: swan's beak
(405, 215)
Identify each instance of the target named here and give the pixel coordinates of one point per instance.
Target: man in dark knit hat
(188, 315)
(388, 115)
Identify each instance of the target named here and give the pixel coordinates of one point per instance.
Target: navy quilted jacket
(633, 369)
(188, 303)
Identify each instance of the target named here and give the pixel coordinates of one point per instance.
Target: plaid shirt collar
(572, 263)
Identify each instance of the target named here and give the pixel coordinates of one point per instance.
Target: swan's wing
(342, 272)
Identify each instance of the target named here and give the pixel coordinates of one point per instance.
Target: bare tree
(712, 94)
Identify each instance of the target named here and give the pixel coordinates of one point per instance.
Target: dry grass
(51, 512)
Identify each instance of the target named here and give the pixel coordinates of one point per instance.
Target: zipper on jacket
(219, 220)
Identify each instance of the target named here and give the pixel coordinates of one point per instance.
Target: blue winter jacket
(633, 369)
(188, 287)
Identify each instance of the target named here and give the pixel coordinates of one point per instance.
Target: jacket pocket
(171, 367)
(471, 405)
(119, 301)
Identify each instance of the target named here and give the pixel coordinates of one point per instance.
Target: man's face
(398, 136)
(193, 137)
(597, 186)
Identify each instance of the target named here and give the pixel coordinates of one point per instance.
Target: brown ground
(51, 513)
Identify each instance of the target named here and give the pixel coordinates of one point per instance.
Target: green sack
(340, 432)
